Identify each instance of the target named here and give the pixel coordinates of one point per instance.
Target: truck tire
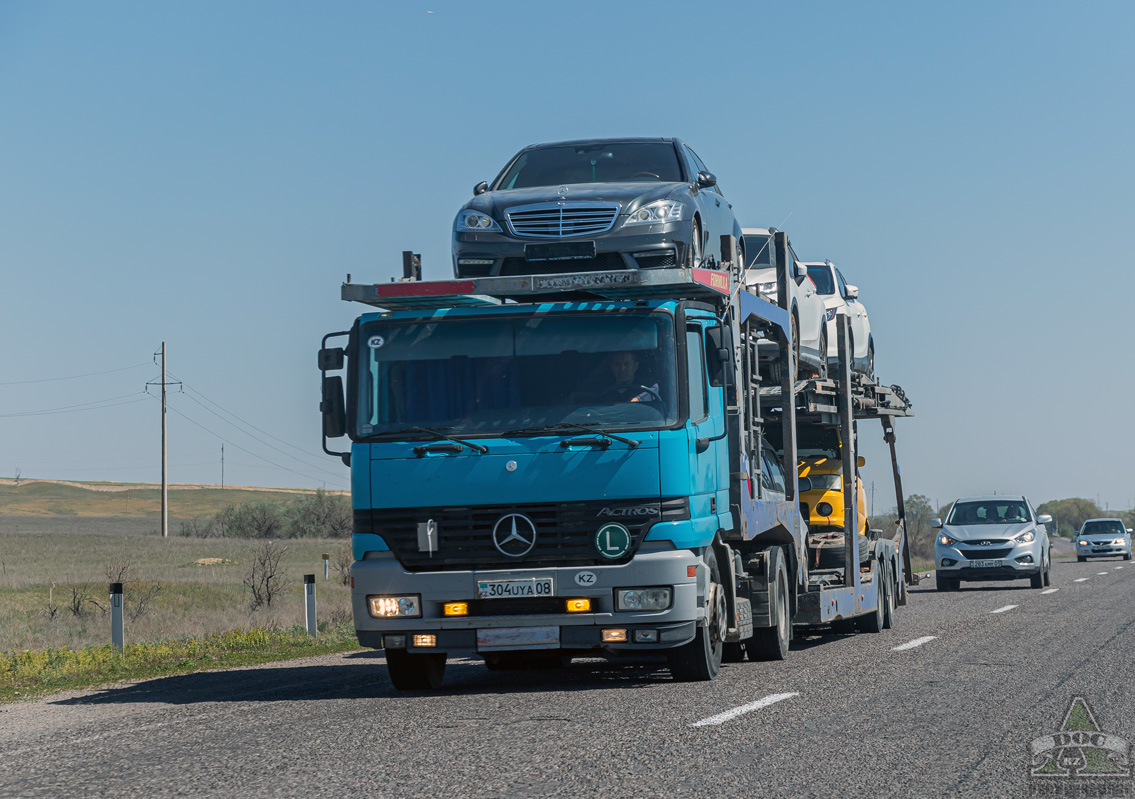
(734, 652)
(889, 605)
(771, 643)
(700, 659)
(873, 622)
(413, 671)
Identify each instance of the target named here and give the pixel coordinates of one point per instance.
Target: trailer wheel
(413, 671)
(873, 622)
(889, 606)
(700, 659)
(771, 643)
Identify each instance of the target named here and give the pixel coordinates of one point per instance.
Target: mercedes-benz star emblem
(514, 535)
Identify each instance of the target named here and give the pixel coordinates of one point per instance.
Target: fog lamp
(614, 636)
(425, 640)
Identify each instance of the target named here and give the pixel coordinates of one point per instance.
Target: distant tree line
(318, 515)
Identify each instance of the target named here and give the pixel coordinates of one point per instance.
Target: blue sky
(207, 174)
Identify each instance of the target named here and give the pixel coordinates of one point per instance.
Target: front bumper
(1110, 550)
(381, 573)
(999, 563)
(636, 247)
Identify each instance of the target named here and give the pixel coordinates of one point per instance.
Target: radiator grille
(565, 532)
(985, 554)
(556, 220)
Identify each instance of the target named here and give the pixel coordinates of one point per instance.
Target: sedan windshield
(491, 375)
(1104, 528)
(1002, 511)
(612, 162)
(822, 277)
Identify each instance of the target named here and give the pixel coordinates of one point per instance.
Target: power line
(242, 421)
(249, 452)
(258, 440)
(72, 377)
(93, 405)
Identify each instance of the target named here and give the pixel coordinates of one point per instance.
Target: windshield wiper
(547, 428)
(480, 449)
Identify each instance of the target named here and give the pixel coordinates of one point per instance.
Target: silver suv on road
(991, 538)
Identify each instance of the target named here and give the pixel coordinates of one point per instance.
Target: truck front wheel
(700, 659)
(411, 671)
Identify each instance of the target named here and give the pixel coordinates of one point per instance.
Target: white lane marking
(1118, 567)
(1049, 591)
(1002, 610)
(1082, 580)
(721, 718)
(1103, 573)
(912, 644)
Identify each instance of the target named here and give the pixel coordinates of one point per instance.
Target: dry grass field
(58, 541)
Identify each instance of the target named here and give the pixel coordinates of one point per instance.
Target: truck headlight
(395, 607)
(642, 598)
(1026, 537)
(475, 221)
(946, 541)
(656, 212)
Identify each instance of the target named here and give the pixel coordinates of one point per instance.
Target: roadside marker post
(309, 591)
(326, 573)
(116, 637)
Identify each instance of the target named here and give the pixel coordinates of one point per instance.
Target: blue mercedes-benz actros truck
(589, 464)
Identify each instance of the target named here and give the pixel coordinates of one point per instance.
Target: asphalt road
(845, 715)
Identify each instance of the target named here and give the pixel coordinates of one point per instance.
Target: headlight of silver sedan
(474, 222)
(1027, 537)
(656, 212)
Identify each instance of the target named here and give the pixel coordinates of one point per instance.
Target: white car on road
(810, 331)
(1103, 538)
(837, 293)
(991, 538)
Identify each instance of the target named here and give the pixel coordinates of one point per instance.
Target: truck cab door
(707, 420)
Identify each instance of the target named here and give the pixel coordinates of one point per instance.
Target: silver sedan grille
(557, 220)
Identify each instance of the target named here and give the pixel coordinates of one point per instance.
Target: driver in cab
(625, 387)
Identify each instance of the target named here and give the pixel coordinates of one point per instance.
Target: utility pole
(222, 467)
(165, 460)
(165, 484)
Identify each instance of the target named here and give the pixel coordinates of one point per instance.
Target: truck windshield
(610, 162)
(488, 375)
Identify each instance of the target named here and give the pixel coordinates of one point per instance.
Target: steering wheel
(646, 175)
(616, 392)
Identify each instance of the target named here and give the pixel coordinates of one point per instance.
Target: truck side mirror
(717, 354)
(331, 359)
(936, 523)
(480, 188)
(333, 408)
